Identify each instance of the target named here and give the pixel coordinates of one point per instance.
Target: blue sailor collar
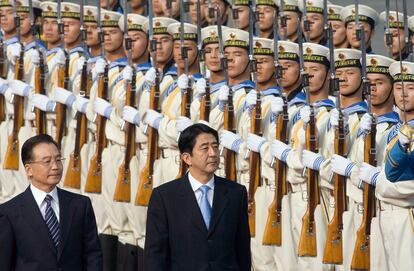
(359, 107)
(197, 76)
(245, 84)
(77, 49)
(325, 103)
(93, 59)
(53, 50)
(390, 117)
(299, 98)
(172, 70)
(120, 62)
(273, 90)
(214, 87)
(143, 66)
(11, 40)
(33, 44)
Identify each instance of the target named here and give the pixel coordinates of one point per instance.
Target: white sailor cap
(209, 34)
(288, 5)
(236, 38)
(392, 19)
(334, 12)
(190, 31)
(159, 25)
(241, 2)
(313, 52)
(110, 18)
(135, 22)
(378, 64)
(406, 73)
(345, 57)
(312, 6)
(288, 50)
(90, 14)
(49, 9)
(6, 3)
(23, 5)
(262, 46)
(411, 23)
(70, 10)
(366, 14)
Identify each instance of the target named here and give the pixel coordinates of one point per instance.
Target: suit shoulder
(11, 203)
(74, 196)
(172, 185)
(232, 185)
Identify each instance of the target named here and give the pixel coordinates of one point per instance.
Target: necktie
(205, 205)
(52, 222)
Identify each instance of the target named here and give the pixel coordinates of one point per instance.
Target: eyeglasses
(49, 163)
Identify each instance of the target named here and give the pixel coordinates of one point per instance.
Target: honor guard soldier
(195, 16)
(223, 5)
(266, 11)
(368, 17)
(138, 7)
(242, 9)
(92, 33)
(288, 19)
(112, 5)
(395, 26)
(157, 8)
(314, 17)
(339, 33)
(172, 11)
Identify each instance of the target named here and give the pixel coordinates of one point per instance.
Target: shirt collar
(40, 195)
(195, 185)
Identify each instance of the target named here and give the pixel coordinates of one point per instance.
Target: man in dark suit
(198, 222)
(47, 228)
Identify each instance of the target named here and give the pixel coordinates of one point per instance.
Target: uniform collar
(245, 84)
(273, 90)
(325, 103)
(359, 107)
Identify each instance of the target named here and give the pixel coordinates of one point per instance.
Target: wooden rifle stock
(254, 165)
(73, 173)
(230, 125)
(146, 177)
(3, 75)
(11, 158)
(307, 241)
(185, 111)
(273, 229)
(94, 178)
(205, 105)
(123, 182)
(333, 247)
(60, 122)
(40, 89)
(361, 254)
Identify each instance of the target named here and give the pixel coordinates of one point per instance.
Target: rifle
(283, 20)
(2, 75)
(388, 34)
(229, 116)
(273, 230)
(333, 246)
(205, 104)
(94, 178)
(186, 96)
(147, 173)
(307, 241)
(360, 257)
(11, 158)
(73, 173)
(123, 182)
(306, 23)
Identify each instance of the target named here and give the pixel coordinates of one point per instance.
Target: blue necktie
(52, 221)
(205, 206)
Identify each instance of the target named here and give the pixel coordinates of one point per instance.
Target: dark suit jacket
(25, 242)
(177, 238)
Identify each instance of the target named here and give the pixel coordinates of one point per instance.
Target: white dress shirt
(195, 185)
(40, 196)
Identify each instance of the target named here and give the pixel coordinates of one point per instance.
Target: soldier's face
(291, 24)
(351, 34)
(243, 21)
(316, 25)
(215, 4)
(175, 8)
(290, 73)
(139, 43)
(349, 79)
(212, 57)
(50, 30)
(265, 68)
(237, 59)
(110, 3)
(157, 7)
(396, 46)
(7, 19)
(204, 158)
(92, 36)
(193, 11)
(136, 3)
(265, 17)
(191, 52)
(24, 22)
(71, 30)
(164, 48)
(407, 97)
(339, 32)
(113, 38)
(381, 87)
(318, 75)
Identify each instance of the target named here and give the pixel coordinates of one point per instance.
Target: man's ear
(186, 158)
(28, 169)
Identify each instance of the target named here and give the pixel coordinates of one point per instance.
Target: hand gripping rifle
(146, 178)
(73, 173)
(11, 158)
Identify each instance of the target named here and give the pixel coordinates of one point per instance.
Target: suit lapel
(34, 218)
(220, 202)
(65, 221)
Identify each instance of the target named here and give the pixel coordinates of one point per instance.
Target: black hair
(31, 143)
(187, 139)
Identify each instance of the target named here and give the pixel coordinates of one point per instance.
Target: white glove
(80, 62)
(13, 52)
(60, 57)
(369, 174)
(64, 96)
(230, 140)
(98, 68)
(312, 160)
(403, 139)
(183, 123)
(42, 102)
(153, 118)
(223, 94)
(276, 105)
(341, 165)
(182, 82)
(200, 87)
(365, 122)
(280, 150)
(334, 119)
(127, 73)
(150, 76)
(305, 112)
(103, 107)
(81, 104)
(251, 98)
(4, 85)
(20, 88)
(131, 115)
(35, 57)
(255, 142)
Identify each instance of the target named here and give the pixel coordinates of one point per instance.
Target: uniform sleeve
(397, 193)
(399, 164)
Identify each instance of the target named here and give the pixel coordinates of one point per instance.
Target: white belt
(384, 206)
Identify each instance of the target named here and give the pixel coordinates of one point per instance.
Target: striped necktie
(52, 221)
